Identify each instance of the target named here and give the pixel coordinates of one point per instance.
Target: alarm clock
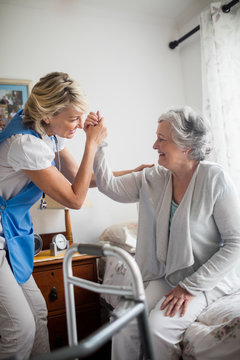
(38, 244)
(59, 245)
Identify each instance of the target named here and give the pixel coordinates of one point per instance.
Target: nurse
(28, 147)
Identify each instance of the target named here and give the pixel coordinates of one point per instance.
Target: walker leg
(145, 335)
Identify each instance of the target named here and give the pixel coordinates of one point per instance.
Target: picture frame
(13, 95)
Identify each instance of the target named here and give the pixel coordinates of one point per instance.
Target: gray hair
(189, 131)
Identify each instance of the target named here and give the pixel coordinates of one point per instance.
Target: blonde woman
(28, 147)
(30, 143)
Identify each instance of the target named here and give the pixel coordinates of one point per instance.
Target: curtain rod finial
(173, 44)
(225, 9)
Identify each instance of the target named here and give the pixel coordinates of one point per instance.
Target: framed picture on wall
(13, 95)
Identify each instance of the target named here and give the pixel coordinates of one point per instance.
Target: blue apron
(15, 215)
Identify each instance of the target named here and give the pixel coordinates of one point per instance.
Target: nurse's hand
(92, 120)
(97, 133)
(143, 166)
(176, 300)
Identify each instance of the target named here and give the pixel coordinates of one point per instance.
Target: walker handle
(91, 249)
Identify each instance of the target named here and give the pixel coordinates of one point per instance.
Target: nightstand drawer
(48, 275)
(87, 320)
(51, 284)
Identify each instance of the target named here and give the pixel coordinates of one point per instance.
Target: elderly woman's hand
(176, 299)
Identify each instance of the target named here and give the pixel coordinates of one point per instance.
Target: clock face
(61, 241)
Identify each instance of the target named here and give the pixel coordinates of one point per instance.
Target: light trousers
(23, 316)
(167, 332)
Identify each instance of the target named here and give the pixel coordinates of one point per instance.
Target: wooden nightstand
(48, 275)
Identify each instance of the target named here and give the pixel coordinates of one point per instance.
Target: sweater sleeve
(224, 265)
(124, 189)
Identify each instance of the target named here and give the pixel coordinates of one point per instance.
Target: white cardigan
(202, 251)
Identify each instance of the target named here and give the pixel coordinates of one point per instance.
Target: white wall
(125, 66)
(190, 54)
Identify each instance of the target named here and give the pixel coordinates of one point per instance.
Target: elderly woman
(188, 246)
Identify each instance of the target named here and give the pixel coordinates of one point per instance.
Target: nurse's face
(66, 123)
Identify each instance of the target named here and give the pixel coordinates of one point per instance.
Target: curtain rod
(225, 8)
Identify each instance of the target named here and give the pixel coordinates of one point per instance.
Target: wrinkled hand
(141, 167)
(176, 299)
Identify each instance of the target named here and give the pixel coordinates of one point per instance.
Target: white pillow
(123, 235)
(222, 310)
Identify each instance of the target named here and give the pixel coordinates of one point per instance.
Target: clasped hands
(176, 300)
(92, 119)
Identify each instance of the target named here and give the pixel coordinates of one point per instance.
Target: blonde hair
(49, 96)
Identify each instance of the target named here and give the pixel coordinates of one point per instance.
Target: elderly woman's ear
(186, 151)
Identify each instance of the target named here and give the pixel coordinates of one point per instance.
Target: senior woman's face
(65, 123)
(170, 155)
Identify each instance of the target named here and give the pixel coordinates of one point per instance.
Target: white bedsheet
(115, 274)
(216, 333)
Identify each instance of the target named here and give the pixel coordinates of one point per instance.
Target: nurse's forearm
(83, 177)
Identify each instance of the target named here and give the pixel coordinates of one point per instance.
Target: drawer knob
(53, 294)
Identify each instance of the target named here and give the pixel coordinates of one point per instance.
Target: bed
(215, 335)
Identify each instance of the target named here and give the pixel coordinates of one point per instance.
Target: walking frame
(131, 305)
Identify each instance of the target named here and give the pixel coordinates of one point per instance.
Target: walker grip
(91, 249)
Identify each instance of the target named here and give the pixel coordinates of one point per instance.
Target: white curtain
(220, 47)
